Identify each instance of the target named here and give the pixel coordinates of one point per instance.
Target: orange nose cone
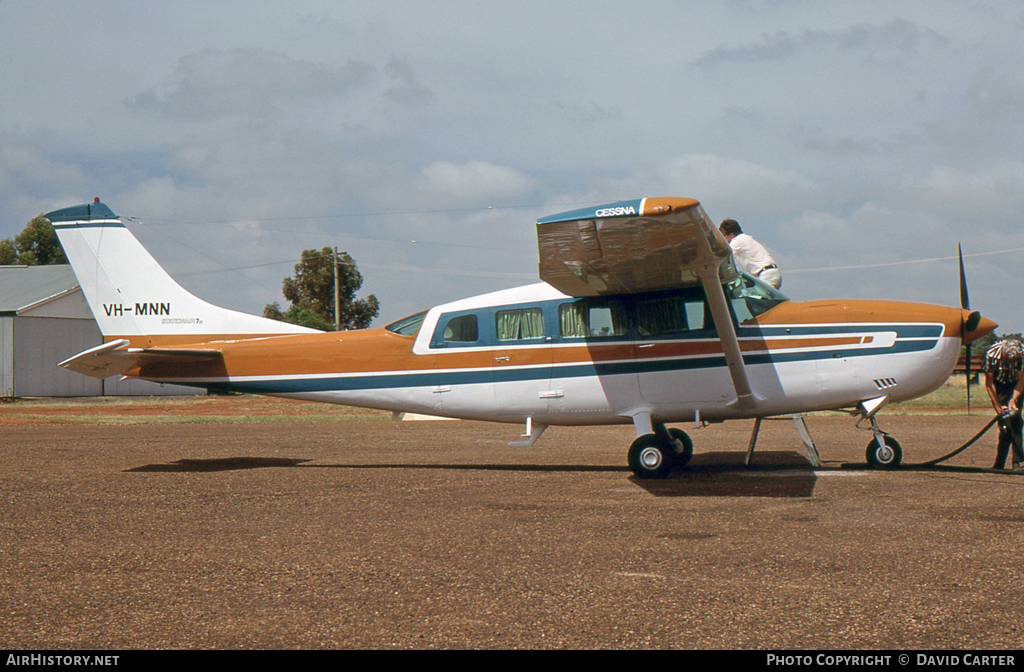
(983, 326)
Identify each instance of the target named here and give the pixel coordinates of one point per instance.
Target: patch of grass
(950, 398)
(246, 409)
(186, 419)
(235, 409)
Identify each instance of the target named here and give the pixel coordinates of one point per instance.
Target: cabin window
(461, 329)
(583, 319)
(519, 324)
(750, 297)
(672, 315)
(407, 326)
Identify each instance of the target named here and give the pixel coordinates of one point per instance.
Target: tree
(8, 253)
(296, 315)
(980, 346)
(36, 245)
(311, 292)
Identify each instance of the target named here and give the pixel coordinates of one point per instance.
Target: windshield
(750, 297)
(407, 326)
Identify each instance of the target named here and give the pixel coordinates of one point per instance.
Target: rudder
(130, 293)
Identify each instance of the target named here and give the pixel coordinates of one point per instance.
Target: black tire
(649, 457)
(682, 456)
(888, 457)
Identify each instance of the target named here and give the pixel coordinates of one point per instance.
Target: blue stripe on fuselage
(484, 375)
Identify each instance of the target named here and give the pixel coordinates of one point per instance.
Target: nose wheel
(884, 452)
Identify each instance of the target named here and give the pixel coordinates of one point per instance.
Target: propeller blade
(965, 304)
(965, 300)
(968, 378)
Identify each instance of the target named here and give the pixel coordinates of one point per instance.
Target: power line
(493, 274)
(385, 213)
(899, 263)
(385, 267)
(394, 213)
(497, 274)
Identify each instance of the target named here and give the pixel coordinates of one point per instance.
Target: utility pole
(337, 299)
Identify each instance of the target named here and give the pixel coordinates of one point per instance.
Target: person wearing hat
(1004, 366)
(754, 256)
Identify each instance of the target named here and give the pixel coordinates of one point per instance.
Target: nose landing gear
(883, 451)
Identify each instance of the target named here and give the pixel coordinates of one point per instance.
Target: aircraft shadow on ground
(221, 464)
(719, 474)
(237, 463)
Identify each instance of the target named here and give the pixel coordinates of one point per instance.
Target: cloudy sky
(860, 141)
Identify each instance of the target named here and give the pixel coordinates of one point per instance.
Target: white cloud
(475, 181)
(156, 197)
(982, 199)
(843, 132)
(31, 182)
(997, 93)
(27, 167)
(897, 36)
(214, 83)
(407, 89)
(997, 183)
(736, 186)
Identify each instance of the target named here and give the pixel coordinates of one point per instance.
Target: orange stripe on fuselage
(361, 351)
(852, 311)
(379, 350)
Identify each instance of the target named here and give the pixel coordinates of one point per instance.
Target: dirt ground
(174, 410)
(289, 528)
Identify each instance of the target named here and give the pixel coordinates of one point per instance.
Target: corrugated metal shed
(22, 287)
(44, 319)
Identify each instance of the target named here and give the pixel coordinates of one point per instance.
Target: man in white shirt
(751, 253)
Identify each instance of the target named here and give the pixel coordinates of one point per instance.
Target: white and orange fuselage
(526, 353)
(800, 357)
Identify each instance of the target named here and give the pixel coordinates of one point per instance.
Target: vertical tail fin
(131, 295)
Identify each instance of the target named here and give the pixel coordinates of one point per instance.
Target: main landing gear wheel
(887, 456)
(683, 454)
(651, 456)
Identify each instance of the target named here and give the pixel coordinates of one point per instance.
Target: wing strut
(708, 272)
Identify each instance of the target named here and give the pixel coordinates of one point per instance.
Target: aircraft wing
(641, 246)
(115, 358)
(631, 246)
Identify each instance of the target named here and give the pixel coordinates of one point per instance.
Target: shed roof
(24, 286)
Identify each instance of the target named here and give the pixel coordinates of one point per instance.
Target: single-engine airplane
(642, 317)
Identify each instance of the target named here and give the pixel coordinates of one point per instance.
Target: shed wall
(6, 355)
(39, 329)
(40, 343)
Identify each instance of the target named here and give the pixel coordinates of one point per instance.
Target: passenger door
(464, 382)
(594, 365)
(679, 356)
(521, 361)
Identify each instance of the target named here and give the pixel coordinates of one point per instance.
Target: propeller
(965, 326)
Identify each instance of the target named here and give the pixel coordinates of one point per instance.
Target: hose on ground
(961, 448)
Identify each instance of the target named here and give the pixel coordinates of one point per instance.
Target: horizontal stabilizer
(115, 359)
